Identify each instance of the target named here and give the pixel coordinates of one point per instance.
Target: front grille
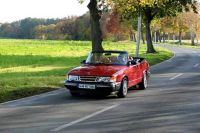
(88, 78)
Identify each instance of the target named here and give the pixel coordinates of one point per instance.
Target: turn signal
(113, 79)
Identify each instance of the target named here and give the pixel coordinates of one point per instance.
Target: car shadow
(63, 97)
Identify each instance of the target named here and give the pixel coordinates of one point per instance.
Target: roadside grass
(30, 67)
(185, 44)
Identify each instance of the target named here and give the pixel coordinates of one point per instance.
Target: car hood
(96, 70)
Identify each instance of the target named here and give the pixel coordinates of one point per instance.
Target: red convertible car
(107, 72)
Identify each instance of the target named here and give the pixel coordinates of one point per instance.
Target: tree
(83, 31)
(40, 32)
(74, 28)
(117, 29)
(156, 30)
(175, 25)
(10, 30)
(95, 16)
(181, 25)
(151, 9)
(68, 28)
(193, 21)
(96, 34)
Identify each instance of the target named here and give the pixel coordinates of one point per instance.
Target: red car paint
(133, 70)
(134, 73)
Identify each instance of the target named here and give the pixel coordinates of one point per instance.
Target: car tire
(143, 85)
(74, 94)
(123, 89)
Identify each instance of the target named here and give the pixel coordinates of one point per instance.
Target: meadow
(29, 67)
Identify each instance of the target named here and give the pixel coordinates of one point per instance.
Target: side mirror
(83, 62)
(129, 63)
(133, 62)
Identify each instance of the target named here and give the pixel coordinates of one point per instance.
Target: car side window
(122, 58)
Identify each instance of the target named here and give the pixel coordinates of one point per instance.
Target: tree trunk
(143, 40)
(159, 37)
(134, 37)
(192, 39)
(131, 35)
(192, 35)
(163, 37)
(174, 38)
(96, 33)
(168, 37)
(150, 48)
(139, 29)
(152, 36)
(180, 37)
(155, 36)
(197, 38)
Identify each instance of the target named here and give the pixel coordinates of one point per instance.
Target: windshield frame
(104, 54)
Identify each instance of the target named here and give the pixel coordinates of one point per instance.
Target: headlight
(106, 79)
(113, 79)
(103, 79)
(73, 78)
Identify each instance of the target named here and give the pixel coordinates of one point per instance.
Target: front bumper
(100, 87)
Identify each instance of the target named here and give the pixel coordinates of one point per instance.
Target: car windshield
(110, 58)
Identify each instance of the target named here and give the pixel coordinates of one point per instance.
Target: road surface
(171, 104)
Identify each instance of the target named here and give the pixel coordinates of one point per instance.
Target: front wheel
(74, 94)
(143, 85)
(123, 89)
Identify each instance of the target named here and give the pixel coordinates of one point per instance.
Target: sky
(13, 10)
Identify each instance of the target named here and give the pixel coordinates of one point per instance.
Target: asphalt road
(171, 104)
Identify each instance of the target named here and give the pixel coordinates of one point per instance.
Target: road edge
(174, 55)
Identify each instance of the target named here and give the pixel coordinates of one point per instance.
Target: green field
(29, 67)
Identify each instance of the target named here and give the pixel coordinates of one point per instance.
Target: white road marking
(196, 65)
(84, 118)
(194, 52)
(176, 76)
(199, 55)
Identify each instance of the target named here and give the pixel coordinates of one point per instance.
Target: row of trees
(129, 9)
(23, 28)
(71, 28)
(184, 25)
(116, 20)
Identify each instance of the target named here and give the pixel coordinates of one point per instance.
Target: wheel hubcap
(125, 86)
(145, 81)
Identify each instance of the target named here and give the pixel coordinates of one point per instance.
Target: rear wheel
(143, 85)
(123, 89)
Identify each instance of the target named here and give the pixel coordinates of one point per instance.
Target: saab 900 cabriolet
(107, 72)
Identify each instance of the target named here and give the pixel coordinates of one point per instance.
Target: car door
(132, 74)
(141, 69)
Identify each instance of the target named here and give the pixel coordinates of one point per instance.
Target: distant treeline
(70, 28)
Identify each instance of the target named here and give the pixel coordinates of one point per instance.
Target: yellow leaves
(147, 2)
(134, 4)
(143, 3)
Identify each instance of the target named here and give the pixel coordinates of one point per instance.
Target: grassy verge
(29, 67)
(185, 44)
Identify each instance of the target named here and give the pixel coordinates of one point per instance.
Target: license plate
(86, 86)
